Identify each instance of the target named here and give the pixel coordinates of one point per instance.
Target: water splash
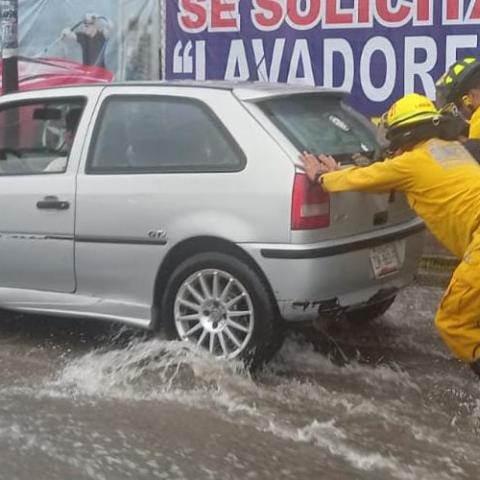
(406, 419)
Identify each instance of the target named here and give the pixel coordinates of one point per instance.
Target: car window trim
(223, 130)
(30, 101)
(41, 100)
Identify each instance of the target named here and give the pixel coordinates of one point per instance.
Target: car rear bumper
(309, 279)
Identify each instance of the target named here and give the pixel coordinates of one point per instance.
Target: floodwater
(83, 400)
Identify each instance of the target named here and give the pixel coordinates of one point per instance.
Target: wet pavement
(86, 400)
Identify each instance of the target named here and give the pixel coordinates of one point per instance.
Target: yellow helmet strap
(467, 101)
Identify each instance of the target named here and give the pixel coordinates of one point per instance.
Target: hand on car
(315, 166)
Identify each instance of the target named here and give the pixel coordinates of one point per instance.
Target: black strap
(473, 147)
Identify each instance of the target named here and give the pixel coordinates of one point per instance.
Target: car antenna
(257, 66)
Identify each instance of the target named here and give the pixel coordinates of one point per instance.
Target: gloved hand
(66, 33)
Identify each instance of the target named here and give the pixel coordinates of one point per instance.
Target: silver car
(182, 207)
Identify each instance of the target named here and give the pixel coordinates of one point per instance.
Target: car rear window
(321, 124)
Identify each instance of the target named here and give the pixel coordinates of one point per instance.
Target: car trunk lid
(320, 122)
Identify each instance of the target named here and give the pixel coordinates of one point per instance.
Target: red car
(35, 73)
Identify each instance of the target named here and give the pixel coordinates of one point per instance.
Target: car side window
(143, 134)
(36, 137)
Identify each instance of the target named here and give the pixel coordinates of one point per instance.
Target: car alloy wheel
(214, 310)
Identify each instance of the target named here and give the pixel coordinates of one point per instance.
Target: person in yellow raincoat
(441, 181)
(460, 85)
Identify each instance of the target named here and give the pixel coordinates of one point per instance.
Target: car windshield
(321, 124)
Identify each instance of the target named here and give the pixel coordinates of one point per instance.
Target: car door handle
(52, 203)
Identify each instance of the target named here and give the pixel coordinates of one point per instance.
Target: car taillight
(310, 205)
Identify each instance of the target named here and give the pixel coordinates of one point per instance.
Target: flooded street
(82, 400)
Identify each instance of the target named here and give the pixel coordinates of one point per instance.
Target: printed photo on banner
(65, 41)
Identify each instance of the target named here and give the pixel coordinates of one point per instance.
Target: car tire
(369, 313)
(195, 308)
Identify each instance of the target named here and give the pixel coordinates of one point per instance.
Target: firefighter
(442, 183)
(461, 85)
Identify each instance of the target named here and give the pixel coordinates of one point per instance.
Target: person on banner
(92, 37)
(441, 181)
(460, 85)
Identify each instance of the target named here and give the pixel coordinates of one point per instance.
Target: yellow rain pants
(442, 184)
(458, 318)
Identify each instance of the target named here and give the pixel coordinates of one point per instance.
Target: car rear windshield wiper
(361, 159)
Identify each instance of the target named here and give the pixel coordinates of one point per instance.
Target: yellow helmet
(457, 80)
(415, 118)
(410, 110)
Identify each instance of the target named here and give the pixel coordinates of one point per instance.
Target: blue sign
(378, 49)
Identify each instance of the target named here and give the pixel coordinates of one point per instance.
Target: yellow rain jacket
(442, 183)
(474, 131)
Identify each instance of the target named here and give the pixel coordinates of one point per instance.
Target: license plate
(385, 260)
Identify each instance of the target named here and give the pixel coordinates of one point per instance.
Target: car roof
(242, 90)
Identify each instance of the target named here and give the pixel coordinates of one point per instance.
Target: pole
(163, 39)
(121, 39)
(154, 73)
(9, 31)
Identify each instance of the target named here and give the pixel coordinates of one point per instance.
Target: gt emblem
(157, 235)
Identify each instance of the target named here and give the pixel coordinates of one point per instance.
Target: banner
(9, 27)
(78, 41)
(378, 49)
